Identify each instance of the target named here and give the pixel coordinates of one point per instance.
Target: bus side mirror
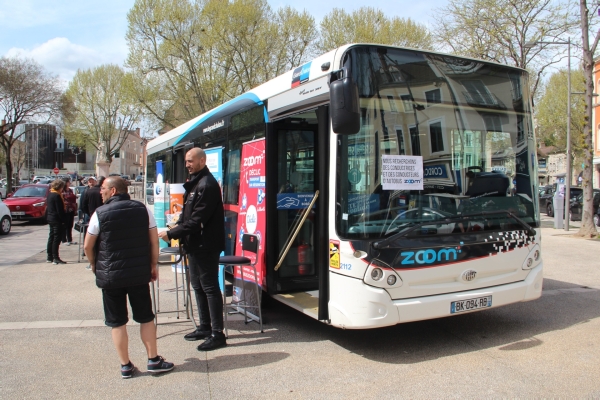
(345, 114)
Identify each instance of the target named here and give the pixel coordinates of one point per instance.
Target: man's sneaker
(216, 341)
(58, 261)
(49, 261)
(89, 267)
(198, 334)
(161, 365)
(127, 370)
(68, 243)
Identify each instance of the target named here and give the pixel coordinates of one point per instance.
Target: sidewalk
(53, 343)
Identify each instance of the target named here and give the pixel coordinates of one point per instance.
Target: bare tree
(27, 93)
(103, 112)
(188, 56)
(588, 229)
(498, 30)
(370, 25)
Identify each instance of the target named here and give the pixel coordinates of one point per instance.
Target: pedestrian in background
(91, 182)
(201, 227)
(93, 198)
(56, 217)
(71, 205)
(122, 246)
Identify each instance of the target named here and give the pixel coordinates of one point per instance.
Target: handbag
(79, 226)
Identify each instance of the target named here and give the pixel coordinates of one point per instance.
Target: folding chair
(185, 280)
(250, 243)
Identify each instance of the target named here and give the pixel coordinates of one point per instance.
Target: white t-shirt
(94, 225)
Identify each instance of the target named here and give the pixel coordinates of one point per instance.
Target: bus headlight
(376, 274)
(380, 274)
(534, 258)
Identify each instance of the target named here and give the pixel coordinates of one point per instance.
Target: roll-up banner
(251, 219)
(161, 200)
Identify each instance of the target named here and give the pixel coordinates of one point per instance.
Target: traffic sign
(55, 170)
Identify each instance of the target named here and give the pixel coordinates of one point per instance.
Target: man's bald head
(112, 186)
(195, 160)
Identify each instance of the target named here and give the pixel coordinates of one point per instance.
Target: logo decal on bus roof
(301, 75)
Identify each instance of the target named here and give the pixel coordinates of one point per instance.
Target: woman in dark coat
(71, 207)
(56, 217)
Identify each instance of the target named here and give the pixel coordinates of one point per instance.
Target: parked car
(29, 202)
(5, 219)
(545, 192)
(139, 178)
(549, 206)
(577, 206)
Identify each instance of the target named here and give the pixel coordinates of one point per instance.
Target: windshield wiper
(458, 218)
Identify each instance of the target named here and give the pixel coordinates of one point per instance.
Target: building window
(436, 137)
(407, 102)
(393, 107)
(433, 97)
(415, 141)
(400, 138)
(468, 139)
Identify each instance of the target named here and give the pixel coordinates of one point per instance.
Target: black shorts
(115, 305)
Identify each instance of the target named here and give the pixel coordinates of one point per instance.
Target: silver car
(5, 219)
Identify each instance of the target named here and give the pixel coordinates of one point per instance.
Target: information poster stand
(251, 219)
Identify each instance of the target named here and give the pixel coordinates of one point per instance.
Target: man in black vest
(122, 247)
(201, 227)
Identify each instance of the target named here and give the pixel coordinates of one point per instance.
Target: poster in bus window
(251, 218)
(214, 162)
(400, 172)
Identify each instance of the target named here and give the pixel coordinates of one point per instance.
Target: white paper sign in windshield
(402, 172)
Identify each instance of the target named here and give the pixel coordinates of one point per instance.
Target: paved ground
(53, 344)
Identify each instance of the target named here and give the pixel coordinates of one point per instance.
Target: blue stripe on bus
(245, 96)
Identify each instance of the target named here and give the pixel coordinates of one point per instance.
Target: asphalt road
(53, 344)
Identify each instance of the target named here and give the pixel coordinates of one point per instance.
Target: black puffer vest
(123, 247)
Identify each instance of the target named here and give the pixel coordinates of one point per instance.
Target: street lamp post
(568, 172)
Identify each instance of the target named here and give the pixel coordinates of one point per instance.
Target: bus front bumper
(355, 305)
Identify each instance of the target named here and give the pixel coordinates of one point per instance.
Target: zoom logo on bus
(429, 256)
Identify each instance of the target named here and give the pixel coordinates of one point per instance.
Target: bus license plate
(17, 213)
(470, 304)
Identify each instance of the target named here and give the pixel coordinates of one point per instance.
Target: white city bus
(380, 256)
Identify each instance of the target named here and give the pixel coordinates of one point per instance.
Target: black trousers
(68, 231)
(204, 278)
(54, 238)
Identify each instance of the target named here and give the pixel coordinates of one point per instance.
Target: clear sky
(66, 35)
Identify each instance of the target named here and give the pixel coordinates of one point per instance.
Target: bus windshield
(469, 120)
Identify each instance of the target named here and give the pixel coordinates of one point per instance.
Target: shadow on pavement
(510, 328)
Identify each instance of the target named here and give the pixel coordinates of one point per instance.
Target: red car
(28, 202)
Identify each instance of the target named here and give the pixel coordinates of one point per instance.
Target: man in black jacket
(122, 247)
(201, 227)
(93, 198)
